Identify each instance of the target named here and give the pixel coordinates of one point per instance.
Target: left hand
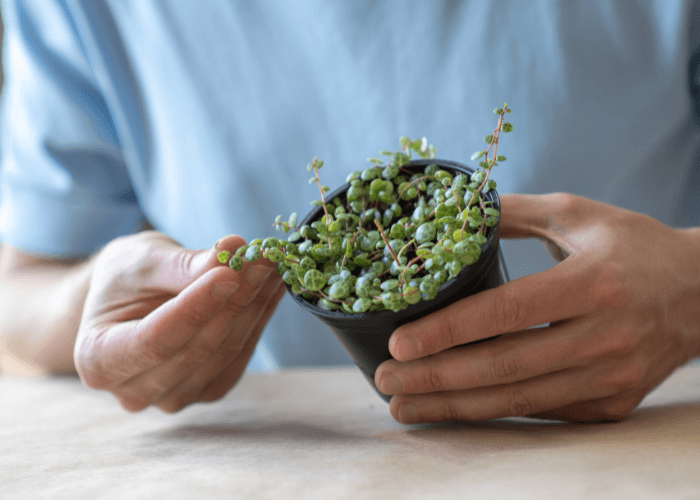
(623, 308)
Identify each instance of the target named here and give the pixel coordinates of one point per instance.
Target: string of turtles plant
(393, 238)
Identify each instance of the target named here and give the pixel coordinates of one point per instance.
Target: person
(194, 120)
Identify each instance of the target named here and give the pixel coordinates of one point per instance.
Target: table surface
(325, 434)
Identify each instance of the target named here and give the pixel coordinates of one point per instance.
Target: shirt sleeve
(64, 186)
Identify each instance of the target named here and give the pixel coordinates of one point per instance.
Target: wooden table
(325, 434)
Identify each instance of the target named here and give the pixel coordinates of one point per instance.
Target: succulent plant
(392, 238)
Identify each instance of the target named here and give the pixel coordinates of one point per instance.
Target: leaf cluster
(392, 238)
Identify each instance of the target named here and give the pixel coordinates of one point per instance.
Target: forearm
(41, 302)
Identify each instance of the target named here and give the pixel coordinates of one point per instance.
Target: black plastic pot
(366, 336)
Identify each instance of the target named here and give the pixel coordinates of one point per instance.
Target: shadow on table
(662, 426)
(306, 438)
(274, 447)
(257, 430)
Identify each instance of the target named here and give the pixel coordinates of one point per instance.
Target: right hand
(165, 326)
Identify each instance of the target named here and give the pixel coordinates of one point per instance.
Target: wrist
(691, 289)
(41, 302)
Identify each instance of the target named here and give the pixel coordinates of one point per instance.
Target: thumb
(549, 217)
(179, 267)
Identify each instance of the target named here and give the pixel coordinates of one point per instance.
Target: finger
(559, 293)
(232, 355)
(219, 386)
(127, 348)
(175, 363)
(507, 359)
(611, 409)
(531, 397)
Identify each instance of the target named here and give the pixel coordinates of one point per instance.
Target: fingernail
(223, 291)
(257, 274)
(390, 384)
(405, 348)
(407, 414)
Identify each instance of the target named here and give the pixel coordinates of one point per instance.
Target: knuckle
(434, 379)
(626, 341)
(183, 261)
(194, 318)
(518, 404)
(235, 308)
(93, 374)
(155, 352)
(92, 378)
(447, 335)
(625, 378)
(631, 378)
(504, 367)
(622, 341)
(196, 354)
(608, 289)
(452, 410)
(134, 404)
(616, 410)
(509, 312)
(230, 349)
(173, 405)
(216, 391)
(566, 204)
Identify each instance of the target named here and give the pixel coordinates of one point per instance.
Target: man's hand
(168, 327)
(623, 308)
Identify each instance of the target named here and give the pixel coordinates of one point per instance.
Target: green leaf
(412, 295)
(236, 263)
(425, 232)
(444, 210)
(389, 285)
(271, 242)
(307, 263)
(478, 238)
(478, 155)
(507, 127)
(339, 290)
(252, 254)
(363, 262)
(491, 221)
(362, 304)
(314, 280)
(224, 256)
(459, 235)
(327, 305)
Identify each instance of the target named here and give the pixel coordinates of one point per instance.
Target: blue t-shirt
(201, 116)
